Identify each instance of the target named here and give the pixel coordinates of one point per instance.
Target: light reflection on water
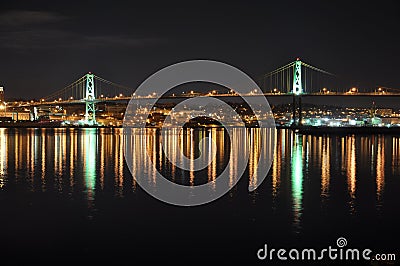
(90, 161)
(297, 179)
(89, 147)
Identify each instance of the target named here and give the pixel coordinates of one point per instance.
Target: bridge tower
(297, 85)
(297, 91)
(90, 97)
(1, 94)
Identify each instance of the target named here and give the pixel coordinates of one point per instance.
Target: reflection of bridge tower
(297, 90)
(90, 114)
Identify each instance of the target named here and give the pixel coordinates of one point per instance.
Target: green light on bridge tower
(297, 91)
(90, 115)
(297, 86)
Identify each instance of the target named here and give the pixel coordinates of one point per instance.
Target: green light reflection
(90, 145)
(297, 180)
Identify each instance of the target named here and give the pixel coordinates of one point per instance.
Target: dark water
(67, 196)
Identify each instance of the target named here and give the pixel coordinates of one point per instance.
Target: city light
(381, 91)
(3, 107)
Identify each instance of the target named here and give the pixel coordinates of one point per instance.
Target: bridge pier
(300, 112)
(297, 110)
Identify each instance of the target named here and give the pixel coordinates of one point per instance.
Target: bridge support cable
(114, 87)
(62, 93)
(305, 79)
(277, 80)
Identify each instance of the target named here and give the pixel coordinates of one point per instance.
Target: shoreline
(364, 130)
(305, 130)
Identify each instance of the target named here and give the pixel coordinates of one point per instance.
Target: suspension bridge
(90, 90)
(297, 79)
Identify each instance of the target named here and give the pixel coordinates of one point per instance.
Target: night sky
(45, 45)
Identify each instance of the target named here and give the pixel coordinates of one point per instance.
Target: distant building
(384, 112)
(1, 94)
